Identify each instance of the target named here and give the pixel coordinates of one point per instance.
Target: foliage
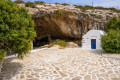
(30, 4)
(65, 4)
(19, 1)
(60, 42)
(113, 24)
(39, 2)
(111, 41)
(2, 55)
(16, 28)
(80, 7)
(60, 12)
(56, 3)
(98, 7)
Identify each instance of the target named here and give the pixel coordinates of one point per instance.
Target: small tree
(111, 41)
(16, 29)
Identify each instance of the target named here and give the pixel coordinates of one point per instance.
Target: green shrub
(81, 7)
(39, 2)
(111, 41)
(113, 24)
(89, 7)
(30, 4)
(19, 1)
(74, 5)
(2, 55)
(98, 7)
(60, 12)
(65, 4)
(16, 29)
(56, 3)
(60, 42)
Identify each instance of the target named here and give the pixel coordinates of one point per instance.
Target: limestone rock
(45, 46)
(73, 22)
(71, 45)
(60, 47)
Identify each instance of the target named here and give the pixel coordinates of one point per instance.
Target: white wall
(92, 34)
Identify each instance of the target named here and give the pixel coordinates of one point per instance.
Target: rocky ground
(63, 64)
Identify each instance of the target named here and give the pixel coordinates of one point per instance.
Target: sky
(104, 3)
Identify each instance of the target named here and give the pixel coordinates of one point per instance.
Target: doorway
(93, 43)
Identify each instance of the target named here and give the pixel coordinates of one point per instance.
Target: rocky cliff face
(71, 24)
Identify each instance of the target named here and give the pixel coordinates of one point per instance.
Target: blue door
(93, 43)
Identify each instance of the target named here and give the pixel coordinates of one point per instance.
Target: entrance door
(93, 43)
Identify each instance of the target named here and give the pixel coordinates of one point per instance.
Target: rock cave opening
(40, 42)
(37, 43)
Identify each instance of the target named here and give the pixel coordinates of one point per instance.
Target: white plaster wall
(92, 34)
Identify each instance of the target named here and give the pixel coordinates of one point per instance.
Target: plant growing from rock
(97, 7)
(19, 1)
(39, 2)
(16, 29)
(30, 4)
(65, 4)
(56, 3)
(60, 12)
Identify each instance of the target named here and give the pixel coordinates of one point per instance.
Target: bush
(39, 2)
(16, 29)
(56, 3)
(60, 42)
(98, 7)
(89, 7)
(113, 24)
(2, 55)
(30, 4)
(111, 41)
(60, 12)
(19, 1)
(65, 4)
(81, 7)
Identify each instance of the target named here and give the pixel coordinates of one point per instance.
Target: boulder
(71, 45)
(45, 46)
(60, 47)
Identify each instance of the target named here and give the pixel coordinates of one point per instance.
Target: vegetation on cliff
(19, 1)
(111, 41)
(16, 29)
(60, 12)
(33, 4)
(98, 7)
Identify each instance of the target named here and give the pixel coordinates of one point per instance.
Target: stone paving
(63, 64)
